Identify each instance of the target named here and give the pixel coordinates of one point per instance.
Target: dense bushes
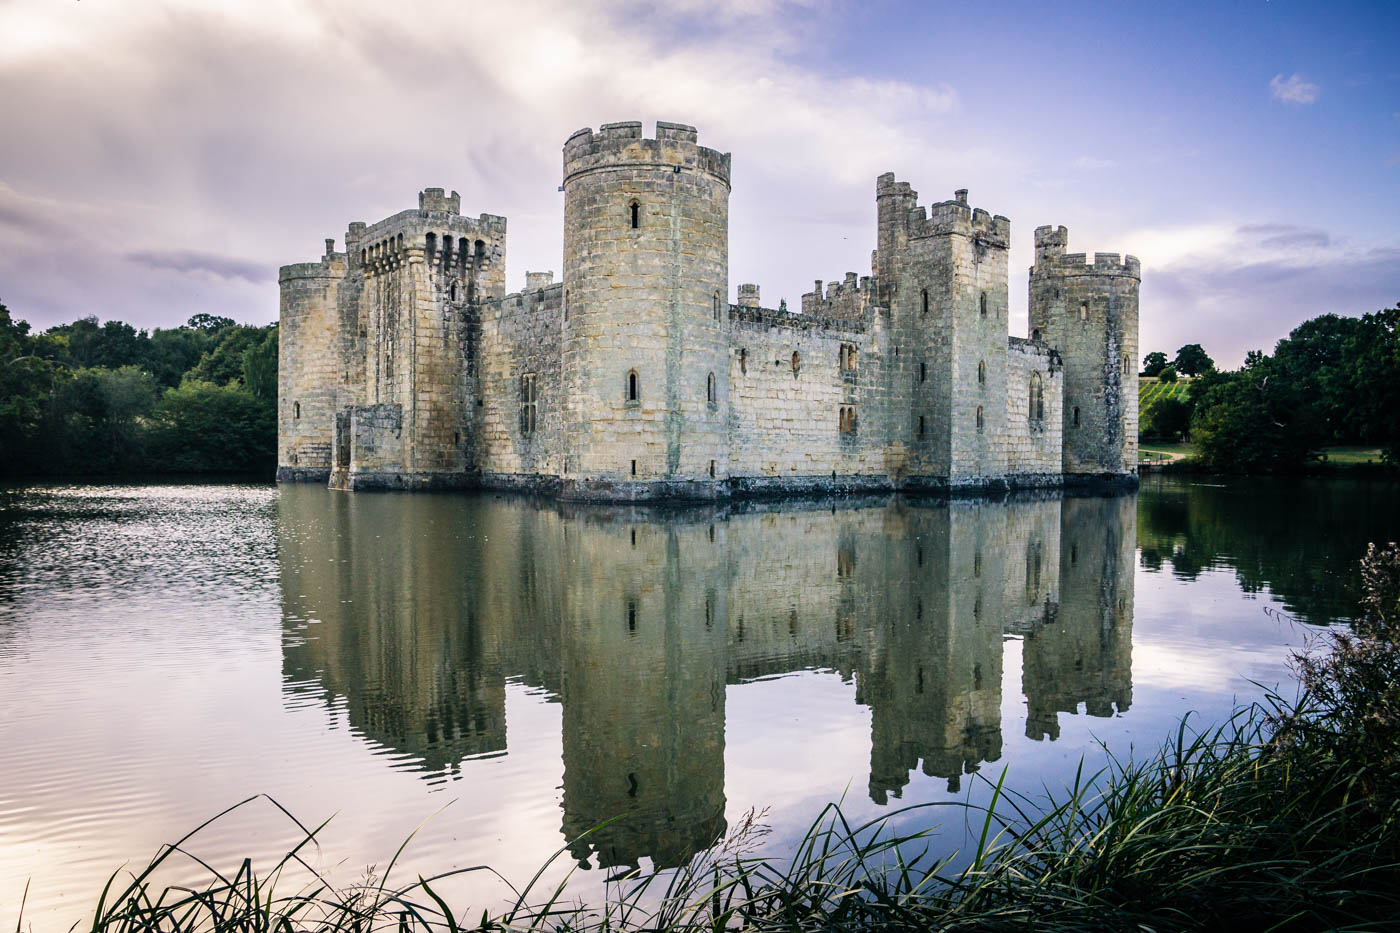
(85, 398)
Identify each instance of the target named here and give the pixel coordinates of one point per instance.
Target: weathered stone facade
(405, 365)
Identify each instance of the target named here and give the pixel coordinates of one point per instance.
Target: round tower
(646, 314)
(309, 366)
(1088, 311)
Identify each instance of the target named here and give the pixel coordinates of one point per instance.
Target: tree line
(91, 398)
(1333, 381)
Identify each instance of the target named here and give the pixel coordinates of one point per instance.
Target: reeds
(1225, 828)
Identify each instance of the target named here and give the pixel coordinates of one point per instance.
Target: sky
(162, 158)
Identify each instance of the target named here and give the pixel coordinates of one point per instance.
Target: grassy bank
(1285, 817)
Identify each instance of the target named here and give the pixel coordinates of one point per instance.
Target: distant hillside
(1150, 392)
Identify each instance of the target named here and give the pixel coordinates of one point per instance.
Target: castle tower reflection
(412, 614)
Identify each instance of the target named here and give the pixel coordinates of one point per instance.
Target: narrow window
(631, 616)
(480, 250)
(1084, 310)
(430, 244)
(796, 362)
(634, 468)
(921, 425)
(452, 291)
(1125, 366)
(982, 302)
(527, 403)
(712, 476)
(1076, 416)
(710, 388)
(631, 389)
(925, 293)
(296, 409)
(566, 304)
(743, 361)
(981, 372)
(635, 210)
(1035, 334)
(923, 372)
(1037, 400)
(979, 418)
(363, 255)
(463, 250)
(716, 306)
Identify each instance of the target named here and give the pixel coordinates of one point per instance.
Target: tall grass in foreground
(1286, 817)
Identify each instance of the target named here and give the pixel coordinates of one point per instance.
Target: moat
(521, 671)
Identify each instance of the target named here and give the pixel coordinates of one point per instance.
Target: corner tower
(646, 314)
(1088, 311)
(312, 366)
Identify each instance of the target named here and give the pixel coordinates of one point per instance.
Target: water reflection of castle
(635, 621)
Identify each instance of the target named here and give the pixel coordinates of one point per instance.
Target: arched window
(796, 362)
(296, 409)
(1076, 416)
(1084, 310)
(463, 248)
(981, 373)
(430, 244)
(1035, 334)
(716, 306)
(632, 389)
(480, 250)
(710, 388)
(398, 244)
(743, 360)
(363, 256)
(925, 311)
(982, 303)
(452, 291)
(1037, 399)
(979, 418)
(635, 210)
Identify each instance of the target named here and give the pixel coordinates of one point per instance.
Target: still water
(514, 672)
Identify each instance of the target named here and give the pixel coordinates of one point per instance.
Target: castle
(405, 365)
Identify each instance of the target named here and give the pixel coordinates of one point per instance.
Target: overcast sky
(159, 159)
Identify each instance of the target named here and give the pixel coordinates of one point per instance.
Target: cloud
(1293, 90)
(192, 262)
(1244, 287)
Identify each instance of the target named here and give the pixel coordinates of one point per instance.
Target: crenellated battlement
(432, 199)
(958, 217)
(616, 145)
(436, 233)
(846, 300)
(1051, 258)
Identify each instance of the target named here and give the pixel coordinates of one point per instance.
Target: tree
(1191, 360)
(209, 323)
(174, 352)
(224, 363)
(111, 345)
(1167, 375)
(1374, 354)
(1252, 421)
(200, 427)
(260, 368)
(1153, 363)
(1167, 420)
(1317, 355)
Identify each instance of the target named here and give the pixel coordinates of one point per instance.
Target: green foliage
(260, 368)
(1168, 420)
(209, 323)
(1252, 421)
(1153, 363)
(200, 427)
(224, 362)
(1167, 374)
(1191, 360)
(174, 352)
(90, 398)
(1332, 381)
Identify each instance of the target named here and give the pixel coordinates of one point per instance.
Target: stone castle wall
(521, 426)
(635, 378)
(1034, 403)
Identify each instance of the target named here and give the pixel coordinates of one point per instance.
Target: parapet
(432, 199)
(941, 218)
(675, 146)
(748, 296)
(534, 281)
(1051, 258)
(847, 300)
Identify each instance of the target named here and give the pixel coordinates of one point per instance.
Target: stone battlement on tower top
(675, 145)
